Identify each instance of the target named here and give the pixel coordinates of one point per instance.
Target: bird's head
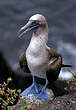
(36, 23)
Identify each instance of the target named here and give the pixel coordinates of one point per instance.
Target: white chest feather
(36, 57)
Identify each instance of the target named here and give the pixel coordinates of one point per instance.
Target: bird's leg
(36, 86)
(33, 89)
(43, 94)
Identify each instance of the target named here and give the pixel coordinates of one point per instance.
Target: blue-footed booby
(39, 59)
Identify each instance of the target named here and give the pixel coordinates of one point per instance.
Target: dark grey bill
(31, 25)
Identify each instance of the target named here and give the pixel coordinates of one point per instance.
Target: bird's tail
(63, 65)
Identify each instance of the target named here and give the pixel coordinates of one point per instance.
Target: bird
(39, 59)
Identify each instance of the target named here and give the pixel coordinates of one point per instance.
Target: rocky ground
(61, 101)
(66, 102)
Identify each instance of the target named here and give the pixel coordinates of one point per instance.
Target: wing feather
(23, 63)
(54, 65)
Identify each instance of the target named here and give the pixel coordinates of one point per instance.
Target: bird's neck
(41, 34)
(38, 42)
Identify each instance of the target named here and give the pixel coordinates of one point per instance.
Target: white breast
(37, 58)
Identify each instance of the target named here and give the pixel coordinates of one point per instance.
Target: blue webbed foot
(33, 89)
(43, 95)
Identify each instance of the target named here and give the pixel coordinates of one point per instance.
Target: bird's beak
(31, 25)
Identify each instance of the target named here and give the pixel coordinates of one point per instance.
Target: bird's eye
(35, 22)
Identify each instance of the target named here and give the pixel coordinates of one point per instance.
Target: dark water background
(60, 15)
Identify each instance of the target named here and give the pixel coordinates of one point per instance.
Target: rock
(66, 102)
(33, 100)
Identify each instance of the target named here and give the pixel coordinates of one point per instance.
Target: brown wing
(23, 63)
(54, 65)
